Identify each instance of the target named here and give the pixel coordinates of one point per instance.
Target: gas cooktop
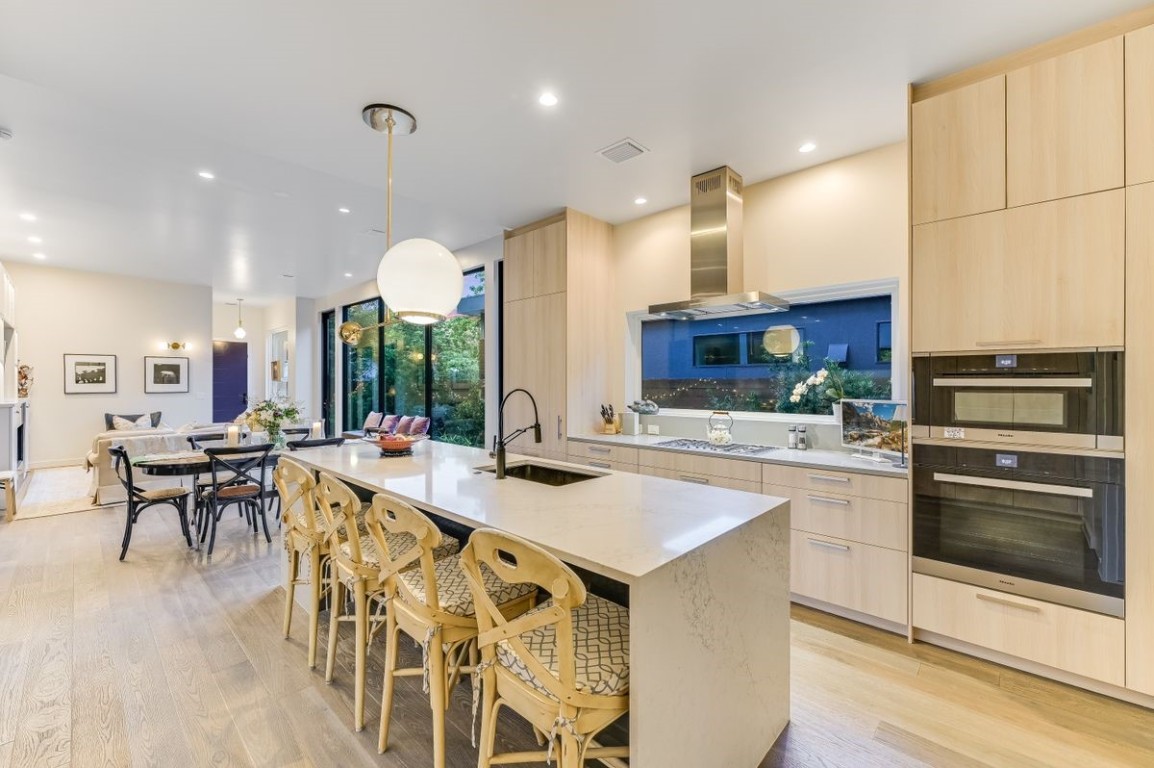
(733, 449)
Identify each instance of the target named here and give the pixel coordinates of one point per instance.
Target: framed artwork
(165, 375)
(89, 374)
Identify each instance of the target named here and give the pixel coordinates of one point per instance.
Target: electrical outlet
(652, 429)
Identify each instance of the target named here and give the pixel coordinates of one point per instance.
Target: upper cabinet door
(959, 152)
(1140, 106)
(535, 262)
(1065, 125)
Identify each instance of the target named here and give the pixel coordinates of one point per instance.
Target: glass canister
(720, 426)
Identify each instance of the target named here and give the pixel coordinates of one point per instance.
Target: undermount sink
(543, 473)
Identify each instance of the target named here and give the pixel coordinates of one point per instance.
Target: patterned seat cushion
(453, 591)
(399, 544)
(600, 646)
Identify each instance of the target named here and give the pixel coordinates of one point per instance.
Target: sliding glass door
(361, 365)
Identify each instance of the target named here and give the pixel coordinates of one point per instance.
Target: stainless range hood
(716, 254)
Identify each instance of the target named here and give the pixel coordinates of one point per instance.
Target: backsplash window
(799, 361)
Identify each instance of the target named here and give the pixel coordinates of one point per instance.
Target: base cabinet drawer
(869, 521)
(697, 465)
(616, 466)
(833, 481)
(860, 577)
(1076, 641)
(695, 477)
(616, 453)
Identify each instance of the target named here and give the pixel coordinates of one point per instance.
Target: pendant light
(419, 280)
(240, 332)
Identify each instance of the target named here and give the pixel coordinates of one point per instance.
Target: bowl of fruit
(397, 445)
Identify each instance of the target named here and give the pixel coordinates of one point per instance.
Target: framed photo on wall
(165, 374)
(89, 374)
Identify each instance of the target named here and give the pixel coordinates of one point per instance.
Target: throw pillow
(373, 420)
(121, 423)
(420, 425)
(153, 418)
(404, 425)
(389, 423)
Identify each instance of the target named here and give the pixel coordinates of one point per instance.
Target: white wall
(223, 325)
(65, 311)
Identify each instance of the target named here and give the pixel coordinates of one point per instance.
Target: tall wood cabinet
(555, 345)
(1140, 106)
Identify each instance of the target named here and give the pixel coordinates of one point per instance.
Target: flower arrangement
(270, 415)
(23, 379)
(817, 392)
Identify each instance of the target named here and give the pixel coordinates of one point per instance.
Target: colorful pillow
(404, 425)
(420, 425)
(373, 420)
(121, 423)
(153, 419)
(389, 423)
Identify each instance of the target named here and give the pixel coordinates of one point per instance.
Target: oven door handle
(1014, 485)
(1014, 382)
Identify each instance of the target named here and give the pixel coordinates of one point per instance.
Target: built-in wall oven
(1044, 525)
(1069, 399)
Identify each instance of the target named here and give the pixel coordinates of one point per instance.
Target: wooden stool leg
(290, 586)
(391, 641)
(336, 608)
(314, 604)
(10, 500)
(438, 699)
(361, 622)
(489, 707)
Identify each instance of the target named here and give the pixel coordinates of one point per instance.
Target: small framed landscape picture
(89, 374)
(165, 374)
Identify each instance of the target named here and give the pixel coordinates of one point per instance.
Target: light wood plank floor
(169, 659)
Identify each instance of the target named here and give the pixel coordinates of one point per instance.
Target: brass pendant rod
(390, 123)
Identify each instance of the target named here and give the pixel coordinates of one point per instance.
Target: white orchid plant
(801, 389)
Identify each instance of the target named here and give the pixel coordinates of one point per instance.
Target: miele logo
(1007, 583)
(1005, 434)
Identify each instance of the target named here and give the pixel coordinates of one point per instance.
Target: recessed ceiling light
(547, 99)
(35, 240)
(348, 274)
(206, 175)
(343, 210)
(640, 201)
(28, 217)
(39, 256)
(809, 146)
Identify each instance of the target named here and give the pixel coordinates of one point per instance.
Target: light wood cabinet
(958, 152)
(1139, 441)
(1140, 106)
(1048, 275)
(616, 466)
(849, 574)
(535, 260)
(701, 478)
(1075, 641)
(1065, 125)
(534, 359)
(696, 464)
(622, 454)
(867, 521)
(836, 481)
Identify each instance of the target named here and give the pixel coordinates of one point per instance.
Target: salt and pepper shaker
(792, 435)
(801, 438)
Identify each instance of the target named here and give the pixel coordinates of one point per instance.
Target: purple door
(229, 379)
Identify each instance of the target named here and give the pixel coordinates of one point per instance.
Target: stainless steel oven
(1062, 399)
(1043, 525)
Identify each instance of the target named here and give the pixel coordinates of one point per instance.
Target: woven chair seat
(159, 494)
(600, 644)
(453, 590)
(399, 544)
(245, 491)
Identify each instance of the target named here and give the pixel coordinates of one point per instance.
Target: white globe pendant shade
(240, 332)
(420, 281)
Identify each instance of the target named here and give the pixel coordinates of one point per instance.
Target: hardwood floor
(169, 659)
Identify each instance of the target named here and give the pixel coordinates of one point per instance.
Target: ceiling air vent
(620, 151)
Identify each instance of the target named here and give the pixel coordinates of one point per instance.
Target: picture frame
(165, 375)
(89, 374)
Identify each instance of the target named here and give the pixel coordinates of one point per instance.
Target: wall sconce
(173, 345)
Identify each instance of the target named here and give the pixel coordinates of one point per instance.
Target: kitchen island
(707, 571)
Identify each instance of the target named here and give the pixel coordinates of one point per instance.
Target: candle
(233, 436)
(318, 430)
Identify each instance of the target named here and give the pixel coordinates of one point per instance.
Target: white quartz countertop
(621, 525)
(813, 458)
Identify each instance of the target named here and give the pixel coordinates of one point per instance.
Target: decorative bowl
(397, 444)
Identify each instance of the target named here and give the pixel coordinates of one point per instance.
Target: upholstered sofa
(391, 424)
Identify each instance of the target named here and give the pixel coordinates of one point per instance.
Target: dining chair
(319, 442)
(141, 499)
(238, 478)
(563, 666)
(355, 567)
(304, 538)
(431, 602)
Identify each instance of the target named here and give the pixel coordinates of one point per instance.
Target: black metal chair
(239, 477)
(297, 431)
(140, 499)
(320, 442)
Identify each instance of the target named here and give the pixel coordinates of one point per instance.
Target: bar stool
(564, 666)
(304, 537)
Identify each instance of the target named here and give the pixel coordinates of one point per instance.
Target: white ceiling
(116, 105)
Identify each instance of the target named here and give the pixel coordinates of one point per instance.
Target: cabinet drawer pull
(599, 449)
(600, 464)
(828, 545)
(1008, 603)
(1010, 343)
(692, 479)
(829, 479)
(828, 500)
(558, 427)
